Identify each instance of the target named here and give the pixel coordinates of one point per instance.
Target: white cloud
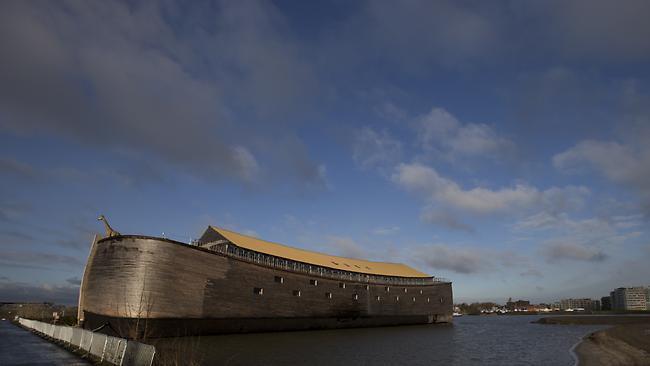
(617, 162)
(595, 232)
(427, 182)
(252, 233)
(439, 130)
(246, 163)
(346, 247)
(540, 220)
(627, 165)
(390, 112)
(588, 239)
(374, 149)
(386, 230)
(628, 221)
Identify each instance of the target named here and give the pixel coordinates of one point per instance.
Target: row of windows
(280, 279)
(298, 293)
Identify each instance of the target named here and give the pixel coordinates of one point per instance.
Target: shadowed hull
(156, 328)
(165, 288)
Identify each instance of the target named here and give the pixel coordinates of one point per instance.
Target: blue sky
(505, 146)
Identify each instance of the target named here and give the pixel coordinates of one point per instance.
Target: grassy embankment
(626, 342)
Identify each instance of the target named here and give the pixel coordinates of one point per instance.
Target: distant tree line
(43, 311)
(475, 307)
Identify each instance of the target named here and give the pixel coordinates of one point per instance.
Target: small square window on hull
(313, 282)
(297, 293)
(328, 295)
(258, 291)
(279, 279)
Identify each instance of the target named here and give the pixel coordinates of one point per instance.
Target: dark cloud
(293, 161)
(139, 79)
(623, 159)
(557, 251)
(14, 168)
(472, 259)
(531, 272)
(469, 36)
(15, 235)
(440, 32)
(459, 260)
(511, 258)
(78, 232)
(445, 219)
(80, 243)
(557, 98)
(11, 211)
(601, 29)
(38, 259)
(25, 292)
(76, 281)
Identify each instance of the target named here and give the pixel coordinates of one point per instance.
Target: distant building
(595, 305)
(629, 298)
(519, 305)
(606, 303)
(585, 304)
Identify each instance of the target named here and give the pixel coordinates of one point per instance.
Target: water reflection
(472, 340)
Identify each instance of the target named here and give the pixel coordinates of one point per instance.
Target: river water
(471, 340)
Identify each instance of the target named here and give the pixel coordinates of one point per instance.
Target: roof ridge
(318, 258)
(306, 250)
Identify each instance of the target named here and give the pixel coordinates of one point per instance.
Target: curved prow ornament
(109, 230)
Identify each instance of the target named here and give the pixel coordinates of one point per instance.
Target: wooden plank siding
(142, 277)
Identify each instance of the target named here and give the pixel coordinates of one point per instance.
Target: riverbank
(627, 342)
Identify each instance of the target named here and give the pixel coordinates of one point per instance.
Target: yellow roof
(324, 260)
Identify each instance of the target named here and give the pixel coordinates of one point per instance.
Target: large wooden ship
(226, 282)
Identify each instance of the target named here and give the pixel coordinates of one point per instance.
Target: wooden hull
(145, 286)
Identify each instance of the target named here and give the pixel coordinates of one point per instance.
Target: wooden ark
(139, 286)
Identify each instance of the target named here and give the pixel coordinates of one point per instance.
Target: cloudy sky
(503, 145)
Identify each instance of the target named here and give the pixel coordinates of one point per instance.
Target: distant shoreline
(626, 342)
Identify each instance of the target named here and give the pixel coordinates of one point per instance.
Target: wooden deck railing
(234, 251)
